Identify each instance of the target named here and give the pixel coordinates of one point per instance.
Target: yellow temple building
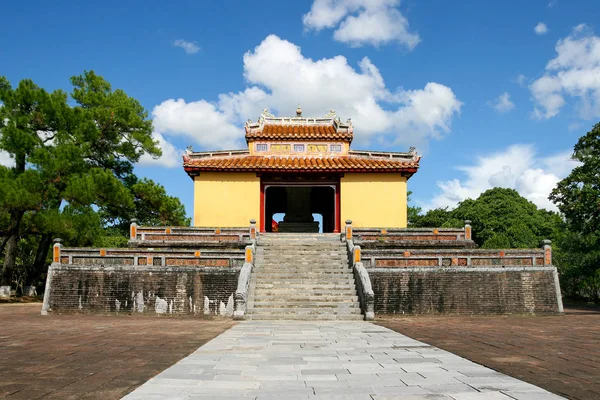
(300, 166)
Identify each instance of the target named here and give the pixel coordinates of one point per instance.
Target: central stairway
(302, 276)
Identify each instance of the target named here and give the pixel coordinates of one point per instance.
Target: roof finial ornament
(189, 149)
(298, 111)
(330, 114)
(266, 114)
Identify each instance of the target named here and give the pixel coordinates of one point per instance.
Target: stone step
(302, 269)
(266, 288)
(305, 311)
(313, 317)
(304, 304)
(307, 256)
(299, 245)
(316, 290)
(301, 260)
(311, 297)
(305, 281)
(308, 261)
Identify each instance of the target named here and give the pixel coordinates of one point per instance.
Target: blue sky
(490, 93)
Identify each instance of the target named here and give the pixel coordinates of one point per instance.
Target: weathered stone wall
(155, 290)
(464, 290)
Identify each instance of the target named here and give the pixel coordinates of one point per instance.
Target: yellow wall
(226, 199)
(374, 200)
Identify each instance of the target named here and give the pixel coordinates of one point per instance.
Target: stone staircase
(302, 276)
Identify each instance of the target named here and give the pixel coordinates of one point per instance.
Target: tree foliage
(501, 218)
(73, 174)
(578, 198)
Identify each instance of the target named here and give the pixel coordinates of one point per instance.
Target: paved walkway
(90, 356)
(328, 360)
(559, 353)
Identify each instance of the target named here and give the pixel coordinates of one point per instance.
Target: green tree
(413, 211)
(500, 218)
(578, 195)
(578, 198)
(68, 159)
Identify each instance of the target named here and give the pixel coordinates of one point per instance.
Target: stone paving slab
(328, 360)
(559, 353)
(91, 356)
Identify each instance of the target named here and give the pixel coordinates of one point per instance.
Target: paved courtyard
(558, 353)
(90, 356)
(328, 360)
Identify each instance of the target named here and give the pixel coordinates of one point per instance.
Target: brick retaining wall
(184, 291)
(464, 290)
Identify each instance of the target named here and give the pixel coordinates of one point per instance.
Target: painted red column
(338, 206)
(262, 207)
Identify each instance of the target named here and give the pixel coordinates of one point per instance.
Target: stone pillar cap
(252, 221)
(467, 222)
(133, 220)
(57, 240)
(348, 221)
(547, 242)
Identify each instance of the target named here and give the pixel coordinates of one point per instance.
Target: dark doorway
(298, 203)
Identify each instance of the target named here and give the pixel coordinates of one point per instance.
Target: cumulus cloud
(6, 160)
(518, 167)
(360, 22)
(521, 80)
(170, 158)
(540, 29)
(502, 104)
(279, 77)
(188, 47)
(574, 73)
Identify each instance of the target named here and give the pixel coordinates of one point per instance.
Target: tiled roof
(298, 131)
(302, 164)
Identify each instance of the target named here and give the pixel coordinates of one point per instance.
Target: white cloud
(521, 80)
(502, 104)
(360, 22)
(280, 77)
(518, 167)
(6, 160)
(170, 158)
(575, 73)
(540, 28)
(189, 47)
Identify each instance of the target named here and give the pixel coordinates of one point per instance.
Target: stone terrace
(91, 356)
(558, 353)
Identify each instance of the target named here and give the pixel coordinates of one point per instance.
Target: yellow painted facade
(226, 199)
(374, 200)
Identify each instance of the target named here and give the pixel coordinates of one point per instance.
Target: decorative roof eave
(342, 131)
(407, 166)
(195, 170)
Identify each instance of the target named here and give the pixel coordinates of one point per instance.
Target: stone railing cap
(547, 241)
(348, 221)
(467, 222)
(252, 221)
(57, 240)
(133, 220)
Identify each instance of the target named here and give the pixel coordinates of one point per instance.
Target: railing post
(348, 230)
(133, 229)
(467, 230)
(356, 255)
(249, 255)
(56, 250)
(252, 229)
(547, 252)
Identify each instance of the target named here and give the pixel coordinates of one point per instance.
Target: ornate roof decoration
(355, 161)
(270, 127)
